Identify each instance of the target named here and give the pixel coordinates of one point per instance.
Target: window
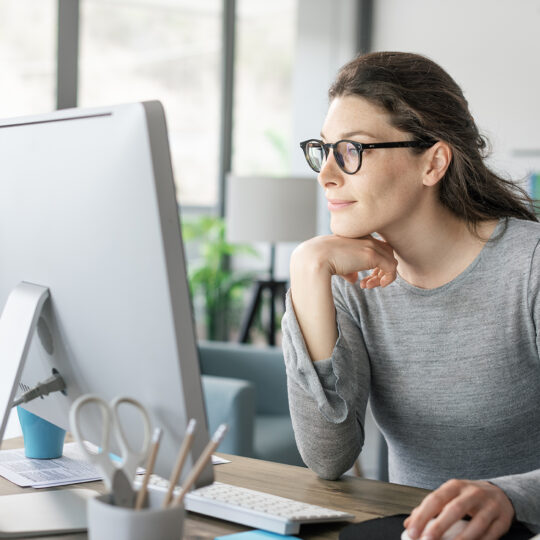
(27, 57)
(134, 50)
(266, 33)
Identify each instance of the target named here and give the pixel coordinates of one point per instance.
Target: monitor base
(44, 513)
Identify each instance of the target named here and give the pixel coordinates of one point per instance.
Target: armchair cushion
(263, 368)
(231, 401)
(274, 439)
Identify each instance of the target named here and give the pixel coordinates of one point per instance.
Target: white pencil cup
(109, 522)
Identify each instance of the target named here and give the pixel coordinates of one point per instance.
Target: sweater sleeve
(523, 490)
(327, 398)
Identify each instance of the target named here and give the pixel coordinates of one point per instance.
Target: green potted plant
(219, 288)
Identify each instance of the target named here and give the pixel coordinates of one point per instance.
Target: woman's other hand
(490, 510)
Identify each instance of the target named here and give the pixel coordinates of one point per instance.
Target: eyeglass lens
(347, 156)
(315, 155)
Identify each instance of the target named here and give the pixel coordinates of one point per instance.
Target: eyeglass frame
(360, 147)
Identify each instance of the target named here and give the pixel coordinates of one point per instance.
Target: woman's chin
(350, 232)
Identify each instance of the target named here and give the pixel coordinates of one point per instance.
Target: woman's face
(387, 189)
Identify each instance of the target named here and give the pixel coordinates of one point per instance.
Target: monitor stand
(53, 512)
(17, 326)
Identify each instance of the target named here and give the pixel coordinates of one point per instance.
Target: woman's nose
(330, 172)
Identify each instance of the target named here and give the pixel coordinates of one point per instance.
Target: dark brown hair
(423, 100)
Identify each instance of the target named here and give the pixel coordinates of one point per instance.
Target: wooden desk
(365, 499)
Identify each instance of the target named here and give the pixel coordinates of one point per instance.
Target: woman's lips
(336, 204)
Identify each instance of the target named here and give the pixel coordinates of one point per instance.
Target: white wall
(491, 48)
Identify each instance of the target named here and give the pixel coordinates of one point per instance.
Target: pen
(156, 439)
(180, 460)
(201, 462)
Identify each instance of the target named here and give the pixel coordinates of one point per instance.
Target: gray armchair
(246, 386)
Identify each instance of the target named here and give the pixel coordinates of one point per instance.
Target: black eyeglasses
(348, 154)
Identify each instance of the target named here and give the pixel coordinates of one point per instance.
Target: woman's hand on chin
(346, 257)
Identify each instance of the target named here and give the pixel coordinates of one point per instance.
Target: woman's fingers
(430, 507)
(374, 274)
(482, 525)
(378, 278)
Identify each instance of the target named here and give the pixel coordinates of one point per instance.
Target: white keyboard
(252, 508)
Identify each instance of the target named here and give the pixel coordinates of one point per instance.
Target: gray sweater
(452, 374)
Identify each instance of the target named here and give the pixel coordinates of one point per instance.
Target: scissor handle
(101, 456)
(131, 458)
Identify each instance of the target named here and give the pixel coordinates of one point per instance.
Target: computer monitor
(88, 210)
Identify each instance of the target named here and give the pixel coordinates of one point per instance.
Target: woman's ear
(438, 158)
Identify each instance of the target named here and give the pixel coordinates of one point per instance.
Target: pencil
(156, 439)
(201, 463)
(180, 460)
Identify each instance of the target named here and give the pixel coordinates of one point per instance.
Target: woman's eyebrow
(352, 134)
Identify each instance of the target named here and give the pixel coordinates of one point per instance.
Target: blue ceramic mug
(42, 440)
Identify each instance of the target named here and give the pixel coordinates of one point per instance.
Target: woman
(434, 319)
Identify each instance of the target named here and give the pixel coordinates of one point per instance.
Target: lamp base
(277, 290)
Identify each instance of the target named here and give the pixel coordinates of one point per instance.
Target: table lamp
(269, 209)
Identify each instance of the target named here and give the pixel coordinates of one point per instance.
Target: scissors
(118, 478)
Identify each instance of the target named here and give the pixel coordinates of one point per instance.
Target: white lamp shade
(270, 209)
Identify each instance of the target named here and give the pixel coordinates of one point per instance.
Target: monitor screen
(88, 210)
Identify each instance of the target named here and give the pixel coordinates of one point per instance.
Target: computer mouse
(450, 534)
